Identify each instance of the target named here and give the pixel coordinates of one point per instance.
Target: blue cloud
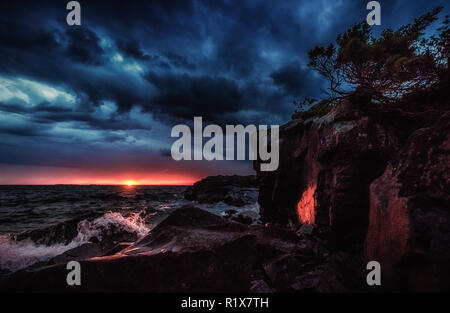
(119, 82)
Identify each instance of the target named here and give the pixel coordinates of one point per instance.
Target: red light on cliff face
(305, 207)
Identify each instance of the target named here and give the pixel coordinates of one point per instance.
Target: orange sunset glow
(41, 175)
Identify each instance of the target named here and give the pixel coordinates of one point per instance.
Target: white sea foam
(15, 255)
(132, 224)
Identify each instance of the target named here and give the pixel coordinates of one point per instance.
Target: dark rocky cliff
(409, 217)
(375, 179)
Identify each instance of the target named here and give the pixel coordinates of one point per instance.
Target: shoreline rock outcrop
(326, 167)
(374, 179)
(233, 190)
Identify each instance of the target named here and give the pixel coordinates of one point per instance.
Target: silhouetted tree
(385, 68)
(304, 104)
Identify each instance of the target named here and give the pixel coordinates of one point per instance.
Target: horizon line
(96, 185)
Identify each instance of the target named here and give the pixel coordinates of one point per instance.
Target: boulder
(409, 229)
(85, 251)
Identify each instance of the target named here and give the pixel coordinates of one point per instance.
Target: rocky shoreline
(196, 251)
(355, 185)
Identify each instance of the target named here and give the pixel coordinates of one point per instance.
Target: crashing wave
(18, 254)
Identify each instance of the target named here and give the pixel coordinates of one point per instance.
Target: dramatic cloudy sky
(95, 103)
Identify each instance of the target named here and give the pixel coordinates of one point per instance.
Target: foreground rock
(233, 190)
(409, 230)
(196, 251)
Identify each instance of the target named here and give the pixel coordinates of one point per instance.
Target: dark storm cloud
(83, 46)
(294, 79)
(131, 48)
(179, 61)
(185, 96)
(19, 35)
(252, 40)
(21, 130)
(134, 69)
(43, 115)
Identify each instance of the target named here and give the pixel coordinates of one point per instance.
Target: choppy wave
(133, 223)
(38, 223)
(19, 254)
(15, 255)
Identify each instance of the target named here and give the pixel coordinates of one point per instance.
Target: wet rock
(4, 272)
(242, 219)
(83, 252)
(306, 229)
(260, 286)
(308, 282)
(189, 228)
(191, 216)
(193, 250)
(190, 251)
(323, 279)
(410, 213)
(117, 248)
(240, 197)
(233, 190)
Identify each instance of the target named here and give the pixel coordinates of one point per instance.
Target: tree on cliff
(384, 69)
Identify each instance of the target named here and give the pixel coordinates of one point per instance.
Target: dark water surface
(40, 222)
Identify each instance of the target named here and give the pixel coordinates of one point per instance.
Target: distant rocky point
(233, 190)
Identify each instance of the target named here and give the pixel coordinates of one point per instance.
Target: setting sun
(130, 183)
